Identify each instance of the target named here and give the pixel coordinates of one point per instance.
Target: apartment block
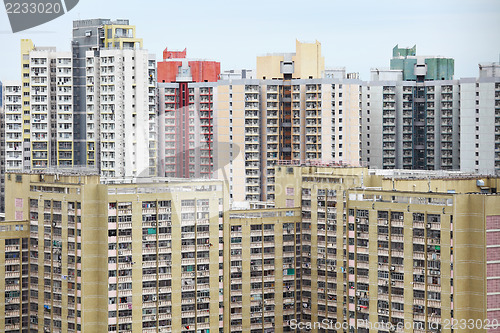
(344, 245)
(480, 124)
(93, 35)
(13, 128)
(392, 247)
(2, 153)
(427, 120)
(238, 129)
(40, 122)
(260, 284)
(186, 129)
(121, 132)
(408, 126)
(116, 256)
(15, 272)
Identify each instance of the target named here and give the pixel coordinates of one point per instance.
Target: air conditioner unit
(160, 223)
(386, 222)
(401, 217)
(357, 219)
(429, 225)
(120, 252)
(154, 298)
(153, 224)
(393, 268)
(358, 308)
(169, 223)
(358, 293)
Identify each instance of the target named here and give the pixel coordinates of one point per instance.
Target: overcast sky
(355, 34)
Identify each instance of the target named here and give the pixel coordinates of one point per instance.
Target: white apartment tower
(50, 100)
(39, 112)
(12, 108)
(120, 98)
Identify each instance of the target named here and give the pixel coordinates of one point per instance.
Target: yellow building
(260, 283)
(15, 272)
(344, 247)
(306, 63)
(122, 257)
(415, 250)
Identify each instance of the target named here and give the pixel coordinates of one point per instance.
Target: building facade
(122, 257)
(392, 248)
(93, 35)
(121, 130)
(39, 111)
(344, 246)
(238, 129)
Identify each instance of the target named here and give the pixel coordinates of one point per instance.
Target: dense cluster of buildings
(108, 105)
(127, 185)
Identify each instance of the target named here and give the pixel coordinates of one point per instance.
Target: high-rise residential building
(44, 122)
(260, 268)
(13, 130)
(186, 115)
(416, 119)
(108, 115)
(480, 123)
(344, 246)
(93, 35)
(116, 109)
(392, 246)
(254, 123)
(121, 132)
(411, 125)
(426, 122)
(98, 257)
(2, 153)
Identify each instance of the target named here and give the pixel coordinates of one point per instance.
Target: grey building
(88, 35)
(410, 125)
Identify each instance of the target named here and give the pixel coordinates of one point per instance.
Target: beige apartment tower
(344, 247)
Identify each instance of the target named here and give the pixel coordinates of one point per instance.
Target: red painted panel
(167, 71)
(205, 71)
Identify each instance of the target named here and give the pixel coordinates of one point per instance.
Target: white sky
(355, 34)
